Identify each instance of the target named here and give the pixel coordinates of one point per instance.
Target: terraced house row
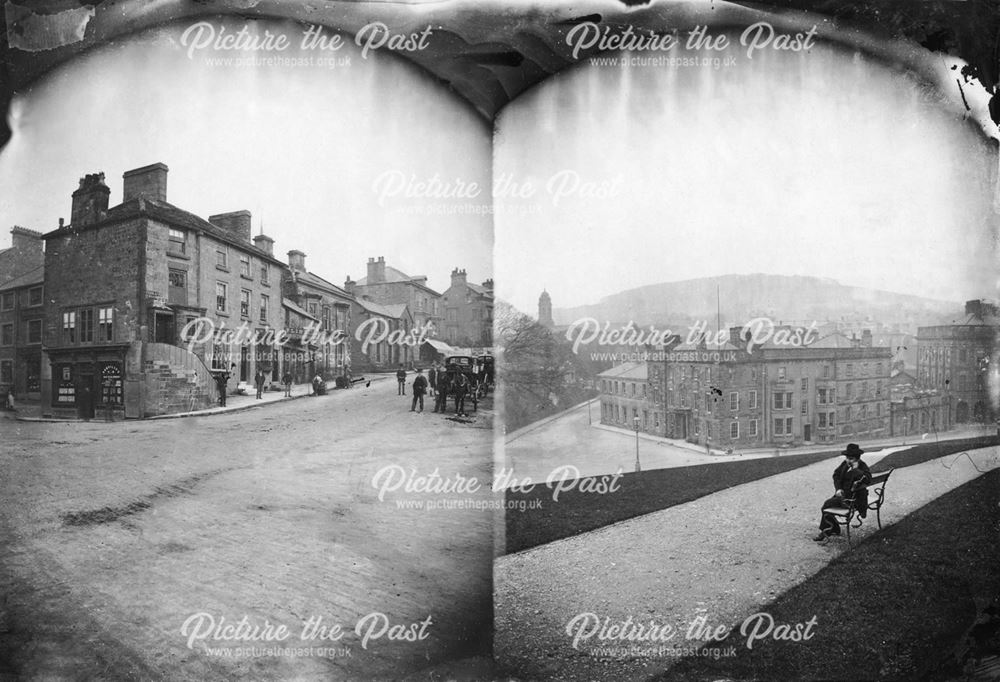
(93, 314)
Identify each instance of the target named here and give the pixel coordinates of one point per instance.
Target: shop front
(86, 384)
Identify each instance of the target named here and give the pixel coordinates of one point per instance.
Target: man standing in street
(401, 380)
(221, 384)
(443, 384)
(419, 388)
(286, 379)
(460, 388)
(432, 377)
(258, 382)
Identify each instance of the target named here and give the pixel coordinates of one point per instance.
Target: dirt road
(114, 536)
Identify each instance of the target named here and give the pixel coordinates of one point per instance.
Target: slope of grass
(576, 511)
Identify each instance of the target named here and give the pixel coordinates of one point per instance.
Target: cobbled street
(115, 534)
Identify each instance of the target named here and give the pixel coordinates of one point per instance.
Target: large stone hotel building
(726, 397)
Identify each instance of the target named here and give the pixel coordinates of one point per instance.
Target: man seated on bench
(849, 480)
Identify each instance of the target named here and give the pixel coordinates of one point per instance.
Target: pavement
(32, 410)
(721, 558)
(577, 438)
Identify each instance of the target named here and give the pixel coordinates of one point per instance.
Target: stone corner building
(122, 282)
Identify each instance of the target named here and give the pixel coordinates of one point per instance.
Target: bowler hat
(853, 450)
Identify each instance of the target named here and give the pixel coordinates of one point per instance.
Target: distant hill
(783, 298)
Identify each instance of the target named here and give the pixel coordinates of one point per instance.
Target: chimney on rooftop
(488, 284)
(297, 260)
(349, 285)
(264, 243)
(23, 239)
(236, 223)
(866, 338)
(458, 277)
(376, 270)
(28, 247)
(90, 200)
(149, 181)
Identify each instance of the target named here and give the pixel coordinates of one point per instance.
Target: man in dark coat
(460, 389)
(221, 383)
(432, 377)
(443, 387)
(258, 380)
(849, 481)
(401, 380)
(419, 388)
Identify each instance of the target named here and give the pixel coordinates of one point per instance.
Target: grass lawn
(649, 491)
(899, 606)
(928, 451)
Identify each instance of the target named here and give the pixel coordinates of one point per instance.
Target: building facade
(386, 285)
(956, 359)
(330, 307)
(144, 301)
(624, 398)
(468, 312)
(379, 329)
(916, 411)
(22, 314)
(724, 397)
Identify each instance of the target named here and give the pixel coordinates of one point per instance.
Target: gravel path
(717, 557)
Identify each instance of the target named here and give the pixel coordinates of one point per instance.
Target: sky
(322, 156)
(823, 163)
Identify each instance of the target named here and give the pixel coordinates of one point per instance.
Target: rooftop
(167, 213)
(629, 370)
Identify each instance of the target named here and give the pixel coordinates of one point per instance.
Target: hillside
(782, 298)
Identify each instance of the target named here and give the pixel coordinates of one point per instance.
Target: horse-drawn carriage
(478, 369)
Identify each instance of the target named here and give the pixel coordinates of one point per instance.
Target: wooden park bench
(850, 514)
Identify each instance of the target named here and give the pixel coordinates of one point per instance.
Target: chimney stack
(24, 240)
(28, 247)
(866, 338)
(376, 270)
(297, 260)
(264, 243)
(149, 182)
(488, 284)
(349, 285)
(90, 200)
(458, 277)
(235, 222)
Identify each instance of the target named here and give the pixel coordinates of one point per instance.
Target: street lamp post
(635, 424)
